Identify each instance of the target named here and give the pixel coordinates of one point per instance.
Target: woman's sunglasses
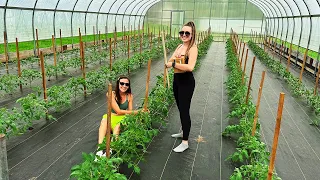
(187, 33)
(123, 83)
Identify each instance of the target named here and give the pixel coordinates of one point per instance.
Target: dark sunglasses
(187, 33)
(127, 84)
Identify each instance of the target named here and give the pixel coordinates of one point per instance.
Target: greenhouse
(159, 89)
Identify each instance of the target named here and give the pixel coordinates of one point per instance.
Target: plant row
(137, 131)
(251, 153)
(9, 82)
(297, 87)
(33, 107)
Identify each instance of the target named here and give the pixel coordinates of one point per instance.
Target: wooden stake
(108, 135)
(110, 48)
(6, 51)
(249, 85)
(145, 107)
(94, 36)
(317, 81)
(61, 48)
(99, 43)
(54, 51)
(141, 43)
(37, 42)
(289, 57)
(80, 51)
(258, 104)
(244, 46)
(80, 37)
(165, 58)
(128, 53)
(54, 54)
(245, 66)
(304, 63)
(239, 49)
(43, 76)
(18, 58)
(83, 67)
(276, 136)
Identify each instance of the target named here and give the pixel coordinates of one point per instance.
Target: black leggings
(183, 87)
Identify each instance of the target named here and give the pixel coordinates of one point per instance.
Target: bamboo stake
(239, 49)
(43, 76)
(249, 85)
(37, 42)
(245, 66)
(304, 63)
(6, 51)
(141, 43)
(80, 37)
(258, 104)
(18, 58)
(244, 46)
(110, 48)
(94, 36)
(61, 48)
(317, 81)
(54, 54)
(99, 43)
(276, 136)
(289, 57)
(145, 107)
(83, 67)
(128, 53)
(108, 135)
(80, 49)
(165, 58)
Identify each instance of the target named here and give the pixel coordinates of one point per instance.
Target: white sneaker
(178, 135)
(182, 147)
(100, 154)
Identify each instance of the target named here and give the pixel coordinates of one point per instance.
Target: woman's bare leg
(116, 130)
(102, 130)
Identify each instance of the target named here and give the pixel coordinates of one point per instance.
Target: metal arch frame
(244, 17)
(146, 8)
(54, 23)
(125, 13)
(146, 11)
(278, 18)
(277, 15)
(34, 38)
(129, 22)
(288, 21)
(265, 14)
(310, 31)
(108, 15)
(85, 20)
(300, 28)
(269, 14)
(74, 6)
(115, 19)
(97, 21)
(315, 72)
(272, 8)
(5, 25)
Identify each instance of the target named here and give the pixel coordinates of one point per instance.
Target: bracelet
(174, 63)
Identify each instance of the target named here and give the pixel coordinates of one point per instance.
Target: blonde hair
(193, 33)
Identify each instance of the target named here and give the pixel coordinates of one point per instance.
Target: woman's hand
(146, 110)
(168, 65)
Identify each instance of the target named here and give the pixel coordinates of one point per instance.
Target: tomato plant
(30, 75)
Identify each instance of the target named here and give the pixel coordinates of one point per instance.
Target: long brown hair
(193, 35)
(117, 91)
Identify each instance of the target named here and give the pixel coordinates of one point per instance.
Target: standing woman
(183, 81)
